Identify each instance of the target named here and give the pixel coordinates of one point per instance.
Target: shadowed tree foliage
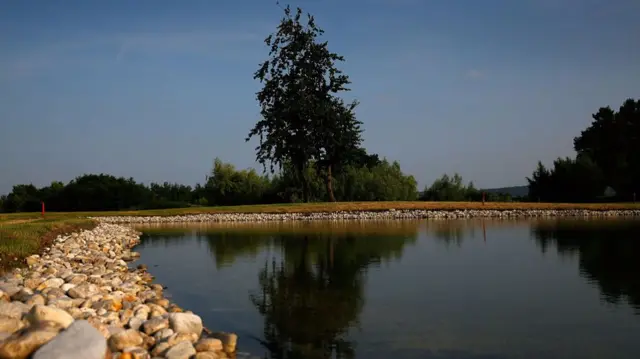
(570, 180)
(359, 158)
(98, 192)
(22, 198)
(608, 254)
(539, 183)
(103, 192)
(613, 142)
(301, 119)
(171, 192)
(608, 154)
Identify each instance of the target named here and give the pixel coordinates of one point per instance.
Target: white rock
(67, 286)
(185, 323)
(10, 288)
(124, 339)
(135, 323)
(13, 309)
(53, 283)
(42, 313)
(84, 290)
(80, 341)
(182, 350)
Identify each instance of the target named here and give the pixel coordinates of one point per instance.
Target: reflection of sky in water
(449, 295)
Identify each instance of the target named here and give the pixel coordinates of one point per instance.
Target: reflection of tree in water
(608, 252)
(312, 296)
(453, 231)
(226, 247)
(164, 239)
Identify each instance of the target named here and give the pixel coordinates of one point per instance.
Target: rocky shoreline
(80, 300)
(369, 215)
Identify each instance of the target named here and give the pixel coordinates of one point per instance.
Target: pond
(464, 289)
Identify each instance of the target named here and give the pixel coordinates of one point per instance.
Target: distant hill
(515, 191)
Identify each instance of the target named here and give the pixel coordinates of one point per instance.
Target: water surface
(464, 289)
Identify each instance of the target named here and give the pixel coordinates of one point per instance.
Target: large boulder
(185, 323)
(80, 341)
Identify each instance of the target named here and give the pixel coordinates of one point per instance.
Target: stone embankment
(364, 215)
(80, 300)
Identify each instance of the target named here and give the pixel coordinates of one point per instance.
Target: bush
(448, 188)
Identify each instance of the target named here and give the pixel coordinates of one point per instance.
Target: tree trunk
(329, 183)
(305, 188)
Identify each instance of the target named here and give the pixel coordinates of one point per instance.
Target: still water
(464, 289)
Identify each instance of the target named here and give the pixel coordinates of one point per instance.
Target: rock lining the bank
(370, 215)
(80, 300)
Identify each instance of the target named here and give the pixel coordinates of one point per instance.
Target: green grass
(21, 237)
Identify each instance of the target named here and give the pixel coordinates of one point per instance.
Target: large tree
(608, 154)
(298, 107)
(613, 142)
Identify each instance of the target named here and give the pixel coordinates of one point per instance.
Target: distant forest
(514, 191)
(310, 147)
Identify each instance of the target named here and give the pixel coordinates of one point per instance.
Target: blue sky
(157, 89)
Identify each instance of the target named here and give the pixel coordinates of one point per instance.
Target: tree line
(371, 179)
(378, 180)
(606, 166)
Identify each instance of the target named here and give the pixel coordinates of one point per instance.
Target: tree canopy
(608, 155)
(612, 142)
(302, 119)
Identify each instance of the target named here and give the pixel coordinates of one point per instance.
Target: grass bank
(21, 237)
(329, 207)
